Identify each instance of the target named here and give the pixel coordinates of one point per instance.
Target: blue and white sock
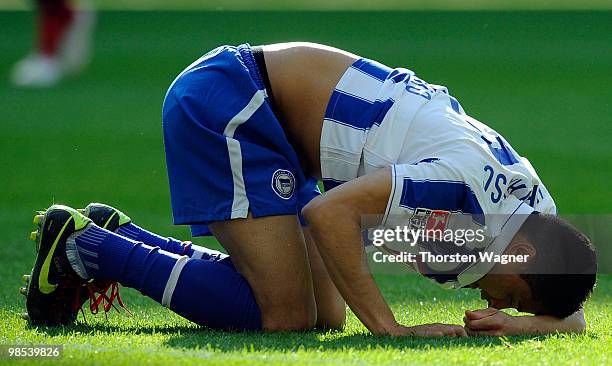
(135, 232)
(206, 292)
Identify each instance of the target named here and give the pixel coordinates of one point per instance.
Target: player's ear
(524, 248)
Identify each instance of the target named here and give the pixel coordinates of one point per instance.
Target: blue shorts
(226, 152)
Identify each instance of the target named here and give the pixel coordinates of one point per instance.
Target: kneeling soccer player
(248, 132)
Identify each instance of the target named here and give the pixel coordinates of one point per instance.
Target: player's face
(502, 291)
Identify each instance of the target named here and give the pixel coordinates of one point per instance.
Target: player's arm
(334, 219)
(493, 322)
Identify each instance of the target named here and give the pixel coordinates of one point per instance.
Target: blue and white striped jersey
(443, 160)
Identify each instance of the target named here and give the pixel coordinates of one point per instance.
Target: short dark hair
(563, 273)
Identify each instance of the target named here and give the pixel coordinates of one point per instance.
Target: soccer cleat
(105, 216)
(52, 285)
(40, 70)
(54, 291)
(37, 70)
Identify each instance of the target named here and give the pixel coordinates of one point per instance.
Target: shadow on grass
(315, 341)
(101, 327)
(193, 337)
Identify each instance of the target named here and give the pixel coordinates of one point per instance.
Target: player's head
(557, 278)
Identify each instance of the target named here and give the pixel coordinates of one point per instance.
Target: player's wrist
(524, 325)
(542, 324)
(397, 330)
(386, 327)
(535, 324)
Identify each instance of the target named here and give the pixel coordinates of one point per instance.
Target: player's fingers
(460, 331)
(452, 330)
(490, 322)
(481, 313)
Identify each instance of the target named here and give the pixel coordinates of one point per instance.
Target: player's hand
(493, 322)
(431, 330)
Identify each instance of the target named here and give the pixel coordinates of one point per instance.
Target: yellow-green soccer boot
(52, 296)
(105, 216)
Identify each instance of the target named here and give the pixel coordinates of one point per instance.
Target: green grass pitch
(542, 79)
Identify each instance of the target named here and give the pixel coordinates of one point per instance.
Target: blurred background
(537, 71)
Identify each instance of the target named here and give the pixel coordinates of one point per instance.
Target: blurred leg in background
(62, 46)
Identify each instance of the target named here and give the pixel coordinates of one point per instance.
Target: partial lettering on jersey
(449, 170)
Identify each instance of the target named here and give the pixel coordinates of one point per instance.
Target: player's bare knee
(292, 308)
(294, 323)
(286, 318)
(332, 319)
